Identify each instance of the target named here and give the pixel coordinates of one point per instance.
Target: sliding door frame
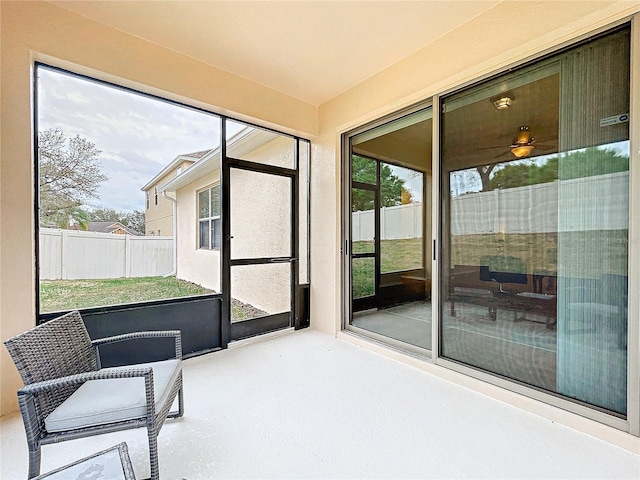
(346, 229)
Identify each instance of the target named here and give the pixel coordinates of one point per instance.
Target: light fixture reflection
(523, 143)
(502, 102)
(522, 151)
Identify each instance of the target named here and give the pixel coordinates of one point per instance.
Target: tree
(72, 217)
(391, 186)
(103, 214)
(406, 196)
(582, 163)
(69, 175)
(472, 179)
(520, 173)
(133, 220)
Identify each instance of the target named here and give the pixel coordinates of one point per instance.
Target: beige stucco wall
(41, 31)
(158, 218)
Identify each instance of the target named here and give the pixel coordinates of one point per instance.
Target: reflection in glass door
(390, 275)
(363, 244)
(536, 225)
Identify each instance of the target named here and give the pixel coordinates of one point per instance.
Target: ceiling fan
(522, 145)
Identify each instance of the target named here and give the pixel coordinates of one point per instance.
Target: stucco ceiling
(310, 50)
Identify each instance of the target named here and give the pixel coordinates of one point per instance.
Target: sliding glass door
(535, 205)
(531, 251)
(390, 291)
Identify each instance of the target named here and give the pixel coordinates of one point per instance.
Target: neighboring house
(111, 227)
(198, 238)
(158, 209)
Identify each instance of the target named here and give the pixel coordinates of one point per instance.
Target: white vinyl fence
(599, 202)
(402, 221)
(72, 254)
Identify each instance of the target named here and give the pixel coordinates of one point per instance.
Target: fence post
(127, 256)
(63, 255)
(356, 223)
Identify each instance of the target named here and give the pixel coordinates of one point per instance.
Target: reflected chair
(67, 395)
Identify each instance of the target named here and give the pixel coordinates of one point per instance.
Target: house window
(209, 223)
(146, 199)
(155, 194)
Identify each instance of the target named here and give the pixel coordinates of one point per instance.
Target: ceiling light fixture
(522, 145)
(502, 102)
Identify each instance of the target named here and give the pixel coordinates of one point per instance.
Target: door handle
(283, 260)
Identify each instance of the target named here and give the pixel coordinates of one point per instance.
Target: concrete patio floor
(307, 405)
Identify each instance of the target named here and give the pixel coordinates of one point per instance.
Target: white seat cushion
(100, 402)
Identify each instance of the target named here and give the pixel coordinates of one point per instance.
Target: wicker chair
(66, 395)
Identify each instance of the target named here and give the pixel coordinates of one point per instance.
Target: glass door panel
(363, 246)
(390, 218)
(535, 225)
(362, 221)
(364, 279)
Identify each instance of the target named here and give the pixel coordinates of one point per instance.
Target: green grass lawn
(56, 295)
(395, 255)
(61, 295)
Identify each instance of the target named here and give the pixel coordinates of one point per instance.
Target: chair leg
(34, 462)
(180, 411)
(152, 432)
(180, 402)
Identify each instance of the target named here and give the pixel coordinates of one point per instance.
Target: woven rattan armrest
(119, 372)
(147, 334)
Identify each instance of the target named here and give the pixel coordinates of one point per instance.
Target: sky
(138, 135)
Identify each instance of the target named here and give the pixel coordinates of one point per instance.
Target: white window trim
(210, 218)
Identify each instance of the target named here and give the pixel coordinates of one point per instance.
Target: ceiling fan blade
(490, 148)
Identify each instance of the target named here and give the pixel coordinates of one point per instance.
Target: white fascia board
(244, 141)
(174, 163)
(207, 164)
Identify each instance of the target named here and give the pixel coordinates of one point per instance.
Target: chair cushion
(100, 402)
